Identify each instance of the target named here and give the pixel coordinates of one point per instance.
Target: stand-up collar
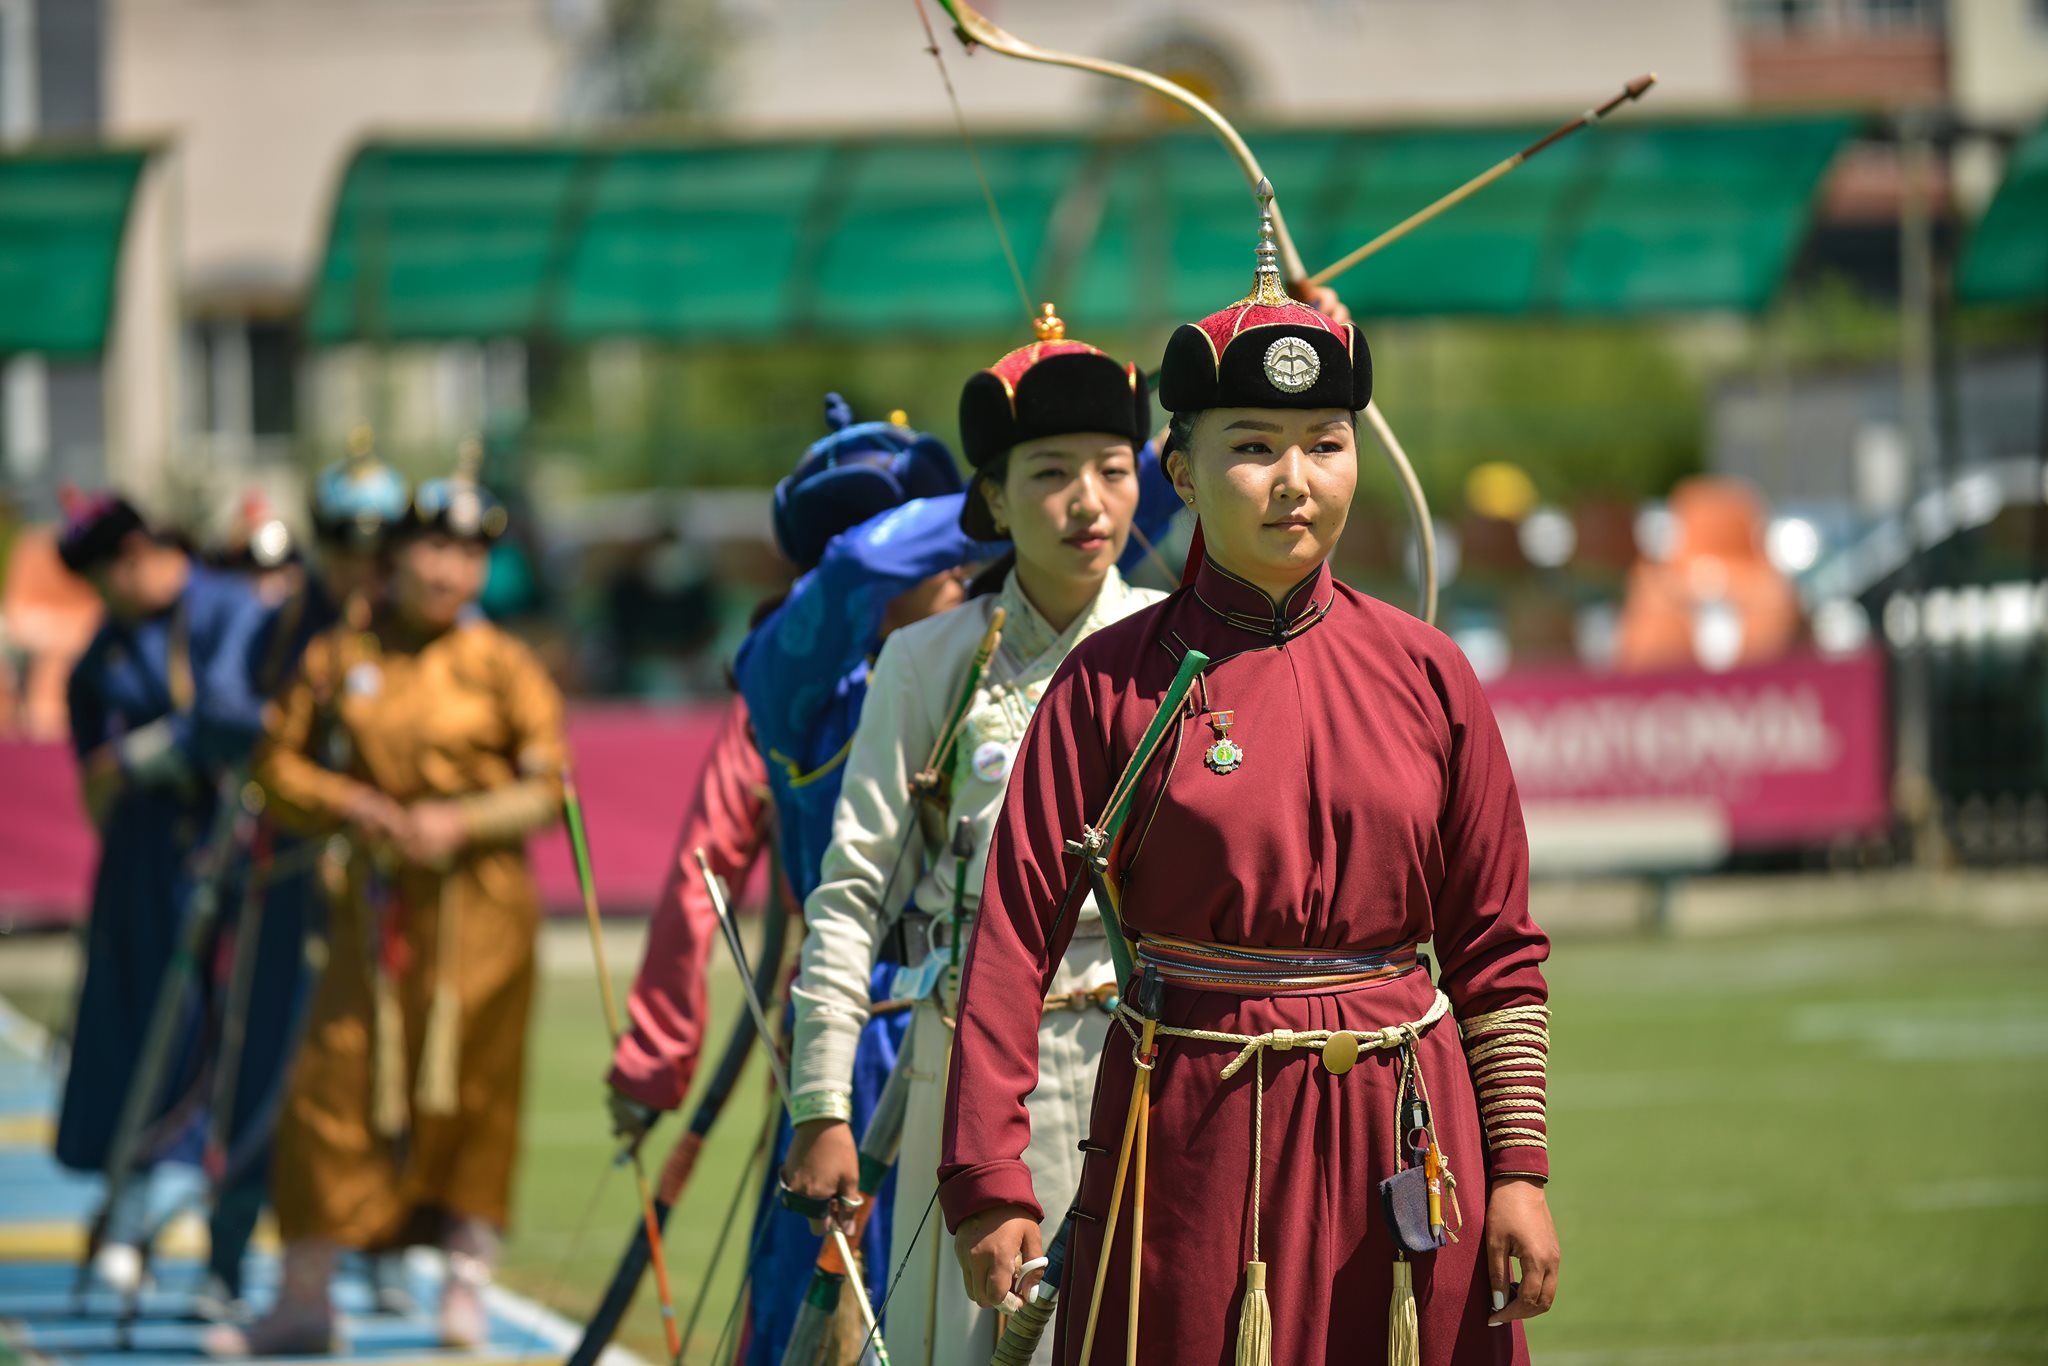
(1027, 634)
(1245, 606)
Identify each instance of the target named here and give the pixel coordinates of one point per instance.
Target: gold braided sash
(1339, 1050)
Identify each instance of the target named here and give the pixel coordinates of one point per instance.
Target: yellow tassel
(1255, 1320)
(390, 1110)
(1404, 1339)
(439, 1052)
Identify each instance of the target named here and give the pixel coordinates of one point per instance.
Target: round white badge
(1292, 365)
(364, 680)
(991, 761)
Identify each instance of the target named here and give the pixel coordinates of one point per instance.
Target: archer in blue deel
(871, 514)
(162, 718)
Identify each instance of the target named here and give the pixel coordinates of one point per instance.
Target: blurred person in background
(1337, 793)
(1056, 434)
(1716, 601)
(356, 504)
(433, 742)
(51, 616)
(162, 719)
(262, 550)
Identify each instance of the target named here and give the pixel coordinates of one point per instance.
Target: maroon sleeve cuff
(971, 1190)
(1519, 1161)
(640, 1074)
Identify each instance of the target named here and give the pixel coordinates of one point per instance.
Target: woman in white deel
(1056, 434)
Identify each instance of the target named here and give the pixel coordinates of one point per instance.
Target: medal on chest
(1226, 754)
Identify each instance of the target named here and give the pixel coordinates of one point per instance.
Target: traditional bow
(973, 27)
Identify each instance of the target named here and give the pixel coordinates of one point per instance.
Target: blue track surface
(43, 1214)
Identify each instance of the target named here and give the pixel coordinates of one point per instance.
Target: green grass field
(1802, 1147)
(1805, 1147)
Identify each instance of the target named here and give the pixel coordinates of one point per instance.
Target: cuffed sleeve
(1492, 951)
(534, 713)
(728, 819)
(506, 815)
(307, 797)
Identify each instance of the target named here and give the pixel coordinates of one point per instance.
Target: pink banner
(1789, 752)
(1784, 754)
(636, 768)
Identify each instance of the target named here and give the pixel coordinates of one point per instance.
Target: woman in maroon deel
(1332, 794)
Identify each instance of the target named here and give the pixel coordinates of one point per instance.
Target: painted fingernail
(1500, 1300)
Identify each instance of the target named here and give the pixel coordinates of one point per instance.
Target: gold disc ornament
(1340, 1052)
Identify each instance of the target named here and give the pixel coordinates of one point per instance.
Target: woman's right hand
(991, 1246)
(824, 1164)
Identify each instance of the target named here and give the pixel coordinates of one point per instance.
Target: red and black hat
(96, 525)
(1267, 350)
(1050, 388)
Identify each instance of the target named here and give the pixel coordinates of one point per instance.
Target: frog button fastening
(1226, 754)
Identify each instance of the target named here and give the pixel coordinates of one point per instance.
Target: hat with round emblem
(1267, 350)
(458, 506)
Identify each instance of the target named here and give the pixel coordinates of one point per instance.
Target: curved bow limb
(974, 27)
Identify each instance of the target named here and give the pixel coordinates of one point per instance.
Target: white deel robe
(883, 853)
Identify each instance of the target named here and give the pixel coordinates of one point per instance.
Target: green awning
(848, 236)
(62, 215)
(2006, 260)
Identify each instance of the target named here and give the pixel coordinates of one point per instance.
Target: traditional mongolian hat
(458, 505)
(259, 539)
(357, 500)
(95, 525)
(1267, 350)
(1050, 388)
(858, 470)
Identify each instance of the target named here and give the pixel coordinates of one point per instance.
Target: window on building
(1896, 16)
(1780, 16)
(17, 70)
(243, 378)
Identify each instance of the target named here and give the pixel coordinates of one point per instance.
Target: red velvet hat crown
(1050, 388)
(1266, 350)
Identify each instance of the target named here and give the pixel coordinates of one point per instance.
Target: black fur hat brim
(1260, 367)
(1076, 392)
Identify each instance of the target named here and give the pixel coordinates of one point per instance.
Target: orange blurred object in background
(1718, 601)
(50, 615)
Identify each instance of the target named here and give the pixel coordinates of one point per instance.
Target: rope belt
(1257, 971)
(1339, 1047)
